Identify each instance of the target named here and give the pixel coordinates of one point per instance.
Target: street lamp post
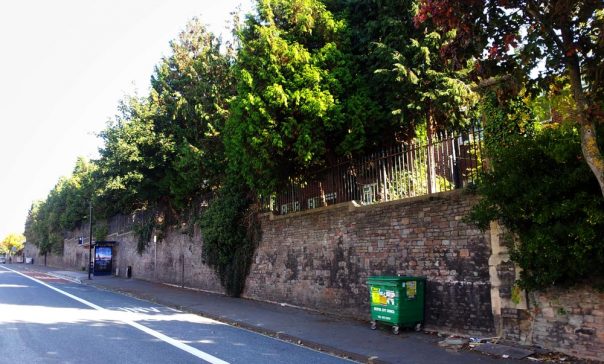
(90, 241)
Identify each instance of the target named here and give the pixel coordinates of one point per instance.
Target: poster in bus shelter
(103, 256)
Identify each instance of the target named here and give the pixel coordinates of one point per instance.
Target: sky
(65, 65)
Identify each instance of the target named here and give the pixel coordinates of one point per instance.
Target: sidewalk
(346, 338)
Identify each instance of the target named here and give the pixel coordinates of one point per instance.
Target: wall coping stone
(354, 205)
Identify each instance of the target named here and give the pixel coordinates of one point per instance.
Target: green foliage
(541, 189)
(143, 229)
(76, 191)
(516, 294)
(133, 159)
(295, 105)
(230, 234)
(31, 223)
(162, 151)
(167, 147)
(400, 64)
(434, 91)
(192, 88)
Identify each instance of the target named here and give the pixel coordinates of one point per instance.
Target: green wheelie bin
(397, 301)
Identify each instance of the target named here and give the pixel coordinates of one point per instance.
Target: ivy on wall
(230, 230)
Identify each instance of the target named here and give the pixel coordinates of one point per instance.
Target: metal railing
(443, 162)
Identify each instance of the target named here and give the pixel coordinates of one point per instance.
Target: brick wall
(321, 259)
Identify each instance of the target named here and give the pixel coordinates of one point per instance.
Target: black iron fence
(439, 163)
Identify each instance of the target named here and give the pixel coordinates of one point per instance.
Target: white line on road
(182, 346)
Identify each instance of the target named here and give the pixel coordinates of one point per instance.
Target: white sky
(64, 66)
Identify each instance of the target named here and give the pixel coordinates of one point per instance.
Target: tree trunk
(589, 141)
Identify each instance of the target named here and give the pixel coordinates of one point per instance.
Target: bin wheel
(418, 327)
(373, 325)
(395, 330)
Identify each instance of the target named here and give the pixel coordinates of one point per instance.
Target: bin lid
(392, 279)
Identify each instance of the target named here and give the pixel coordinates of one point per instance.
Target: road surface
(44, 319)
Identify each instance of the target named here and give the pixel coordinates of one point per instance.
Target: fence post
(430, 157)
(455, 162)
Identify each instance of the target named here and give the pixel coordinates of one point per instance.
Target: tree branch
(532, 10)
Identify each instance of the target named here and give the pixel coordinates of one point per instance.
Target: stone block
(548, 312)
(575, 320)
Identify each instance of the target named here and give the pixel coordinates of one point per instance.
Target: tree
(294, 108)
(400, 62)
(544, 195)
(160, 152)
(77, 191)
(166, 148)
(31, 222)
(36, 227)
(134, 159)
(192, 88)
(519, 36)
(413, 89)
(12, 243)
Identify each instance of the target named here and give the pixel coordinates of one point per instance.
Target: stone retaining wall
(321, 259)
(174, 260)
(566, 320)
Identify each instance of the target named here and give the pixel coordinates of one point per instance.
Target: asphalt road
(44, 319)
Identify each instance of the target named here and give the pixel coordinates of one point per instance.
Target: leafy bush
(230, 232)
(542, 190)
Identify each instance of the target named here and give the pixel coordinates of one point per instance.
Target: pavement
(342, 337)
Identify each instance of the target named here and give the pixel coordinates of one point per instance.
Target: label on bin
(382, 296)
(386, 310)
(383, 318)
(411, 289)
